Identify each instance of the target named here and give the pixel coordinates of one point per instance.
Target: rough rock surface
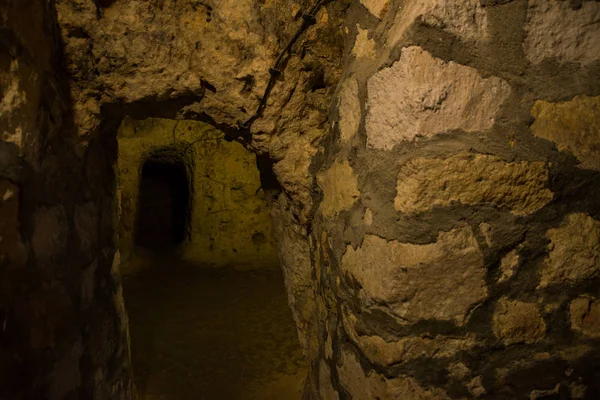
(420, 96)
(508, 265)
(573, 125)
(51, 232)
(556, 31)
(368, 218)
(87, 232)
(131, 41)
(382, 352)
(413, 290)
(14, 98)
(363, 46)
(585, 316)
(340, 188)
(349, 109)
(294, 254)
(376, 7)
(518, 322)
(486, 231)
(574, 251)
(211, 60)
(326, 390)
(465, 19)
(62, 335)
(374, 386)
(472, 179)
(476, 388)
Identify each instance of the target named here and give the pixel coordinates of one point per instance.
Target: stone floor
(202, 333)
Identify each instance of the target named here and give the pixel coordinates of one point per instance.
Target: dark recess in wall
(104, 3)
(164, 212)
(268, 181)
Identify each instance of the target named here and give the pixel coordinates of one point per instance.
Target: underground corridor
(315, 200)
(208, 312)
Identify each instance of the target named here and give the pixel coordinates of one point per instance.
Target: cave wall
(230, 222)
(63, 326)
(210, 61)
(457, 243)
(438, 220)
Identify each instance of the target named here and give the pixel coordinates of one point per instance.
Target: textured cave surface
(226, 212)
(430, 168)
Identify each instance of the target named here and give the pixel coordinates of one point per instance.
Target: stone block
(556, 31)
(517, 322)
(421, 96)
(444, 280)
(585, 316)
(385, 352)
(574, 251)
(363, 46)
(466, 19)
(349, 110)
(472, 179)
(574, 126)
(340, 188)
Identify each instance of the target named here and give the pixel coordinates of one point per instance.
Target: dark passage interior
(201, 327)
(164, 196)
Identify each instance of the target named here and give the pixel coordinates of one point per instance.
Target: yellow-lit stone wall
(229, 222)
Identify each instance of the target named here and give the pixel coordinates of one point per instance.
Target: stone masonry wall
(230, 221)
(457, 243)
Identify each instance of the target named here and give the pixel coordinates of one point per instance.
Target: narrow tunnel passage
(163, 214)
(208, 313)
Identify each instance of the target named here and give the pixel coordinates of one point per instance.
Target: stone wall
(210, 61)
(438, 221)
(230, 221)
(458, 236)
(63, 327)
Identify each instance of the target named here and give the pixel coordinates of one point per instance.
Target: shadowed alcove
(164, 211)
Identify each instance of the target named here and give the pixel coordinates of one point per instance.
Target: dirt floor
(206, 333)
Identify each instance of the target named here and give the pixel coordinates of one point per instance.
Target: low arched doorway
(163, 204)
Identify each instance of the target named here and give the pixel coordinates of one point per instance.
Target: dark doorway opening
(163, 205)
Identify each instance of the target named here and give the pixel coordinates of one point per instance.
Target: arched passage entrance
(164, 198)
(208, 313)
